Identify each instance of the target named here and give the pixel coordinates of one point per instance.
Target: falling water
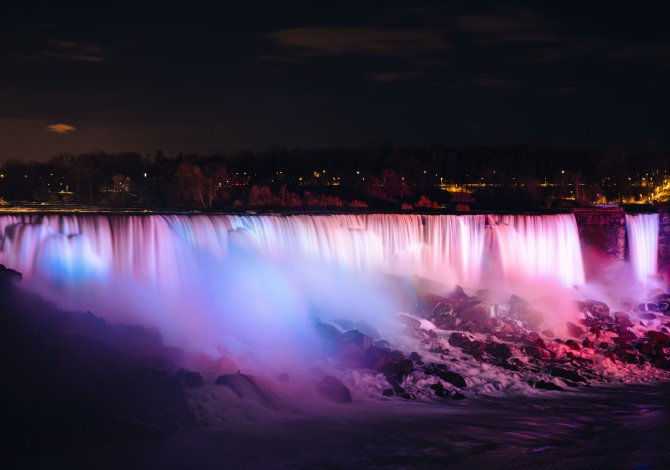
(222, 279)
(532, 247)
(642, 232)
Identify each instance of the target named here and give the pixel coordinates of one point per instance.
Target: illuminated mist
(244, 291)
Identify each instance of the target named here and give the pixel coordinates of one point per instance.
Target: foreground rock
(246, 387)
(69, 383)
(333, 389)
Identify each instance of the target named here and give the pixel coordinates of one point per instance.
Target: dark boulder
(543, 385)
(572, 344)
(574, 330)
(598, 309)
(439, 390)
(459, 340)
(537, 352)
(567, 374)
(647, 316)
(357, 338)
(245, 387)
(333, 389)
(500, 351)
(658, 338)
(193, 380)
(623, 319)
(441, 371)
(9, 275)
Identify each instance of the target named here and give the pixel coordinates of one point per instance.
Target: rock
(476, 317)
(656, 337)
(536, 352)
(367, 329)
(587, 343)
(395, 372)
(543, 385)
(388, 392)
(662, 298)
(567, 374)
(457, 294)
(625, 336)
(572, 344)
(439, 390)
(598, 309)
(647, 316)
(458, 340)
(136, 339)
(149, 395)
(333, 389)
(548, 333)
(662, 362)
(500, 351)
(376, 358)
(574, 330)
(193, 380)
(414, 356)
(9, 275)
(622, 319)
(443, 316)
(358, 338)
(441, 371)
(245, 387)
(352, 356)
(328, 333)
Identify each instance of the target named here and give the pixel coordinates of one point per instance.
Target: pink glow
(245, 287)
(643, 245)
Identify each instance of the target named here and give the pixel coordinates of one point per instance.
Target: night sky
(200, 79)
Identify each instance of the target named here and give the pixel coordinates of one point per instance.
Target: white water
(157, 249)
(642, 232)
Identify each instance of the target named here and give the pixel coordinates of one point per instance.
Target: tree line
(383, 176)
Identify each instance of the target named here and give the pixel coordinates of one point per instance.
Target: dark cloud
(495, 83)
(394, 76)
(509, 26)
(357, 40)
(71, 50)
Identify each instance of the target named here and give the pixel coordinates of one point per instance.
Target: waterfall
(531, 247)
(642, 230)
(153, 249)
(249, 281)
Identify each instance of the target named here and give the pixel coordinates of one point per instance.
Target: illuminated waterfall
(233, 284)
(539, 247)
(642, 232)
(155, 249)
